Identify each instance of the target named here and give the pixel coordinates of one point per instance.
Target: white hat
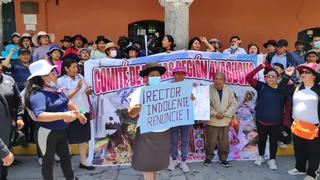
(40, 68)
(25, 35)
(42, 33)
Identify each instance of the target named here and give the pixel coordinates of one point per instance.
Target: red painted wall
(254, 21)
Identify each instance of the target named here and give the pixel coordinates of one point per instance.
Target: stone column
(177, 21)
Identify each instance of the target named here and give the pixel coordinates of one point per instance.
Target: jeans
(185, 139)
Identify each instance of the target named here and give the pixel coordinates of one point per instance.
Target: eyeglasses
(270, 76)
(306, 72)
(214, 42)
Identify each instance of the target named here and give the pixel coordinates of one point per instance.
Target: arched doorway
(305, 36)
(137, 30)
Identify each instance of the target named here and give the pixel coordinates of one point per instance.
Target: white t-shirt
(305, 106)
(135, 99)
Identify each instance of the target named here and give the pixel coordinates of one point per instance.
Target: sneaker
(272, 164)
(207, 162)
(184, 167)
(172, 165)
(282, 145)
(259, 161)
(309, 178)
(225, 163)
(295, 172)
(40, 161)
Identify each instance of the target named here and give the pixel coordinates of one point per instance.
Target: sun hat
(35, 38)
(152, 66)
(179, 69)
(40, 68)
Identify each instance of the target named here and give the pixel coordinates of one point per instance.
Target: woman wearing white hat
(42, 41)
(52, 110)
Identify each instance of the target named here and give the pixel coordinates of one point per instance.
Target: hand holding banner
(166, 106)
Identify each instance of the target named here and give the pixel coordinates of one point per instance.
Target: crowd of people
(44, 98)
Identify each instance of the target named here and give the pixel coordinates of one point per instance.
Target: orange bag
(304, 129)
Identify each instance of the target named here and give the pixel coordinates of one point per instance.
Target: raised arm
(6, 62)
(250, 77)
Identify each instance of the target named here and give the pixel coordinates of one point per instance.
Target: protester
(133, 52)
(235, 48)
(14, 44)
(253, 49)
(26, 42)
(123, 44)
(55, 54)
(98, 51)
(89, 45)
(305, 128)
(7, 50)
(285, 133)
(167, 45)
(66, 42)
(151, 150)
(78, 42)
(271, 46)
(77, 91)
(42, 41)
(83, 55)
(20, 68)
(216, 44)
(15, 39)
(299, 53)
(155, 43)
(315, 43)
(53, 111)
(5, 131)
(195, 44)
(281, 55)
(111, 50)
(179, 73)
(312, 57)
(269, 109)
(223, 106)
(10, 91)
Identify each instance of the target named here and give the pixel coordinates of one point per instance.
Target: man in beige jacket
(223, 106)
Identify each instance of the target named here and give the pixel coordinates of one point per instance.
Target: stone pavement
(239, 170)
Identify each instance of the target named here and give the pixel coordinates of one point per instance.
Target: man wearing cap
(223, 106)
(19, 69)
(78, 42)
(299, 53)
(271, 46)
(66, 42)
(281, 55)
